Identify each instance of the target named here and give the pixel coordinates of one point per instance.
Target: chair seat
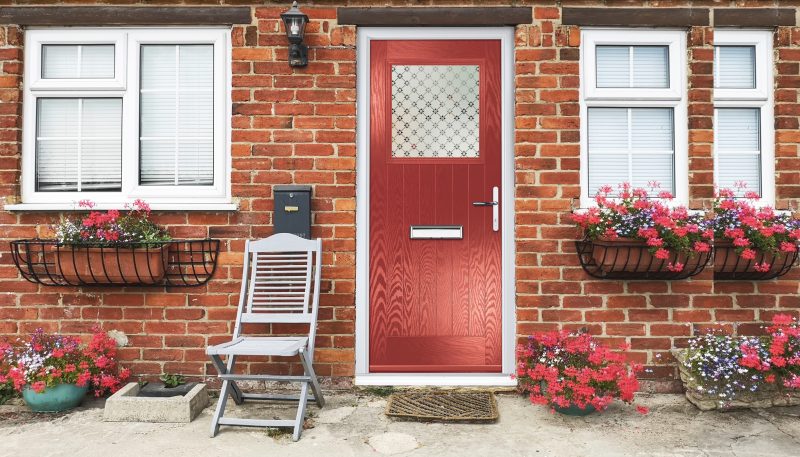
(260, 345)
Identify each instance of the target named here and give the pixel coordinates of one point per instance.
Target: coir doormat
(443, 406)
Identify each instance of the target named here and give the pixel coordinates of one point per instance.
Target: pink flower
(39, 386)
(748, 254)
(762, 267)
(662, 254)
(788, 247)
(741, 242)
(700, 246)
(642, 409)
(676, 268)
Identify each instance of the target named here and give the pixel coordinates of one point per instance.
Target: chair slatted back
(280, 282)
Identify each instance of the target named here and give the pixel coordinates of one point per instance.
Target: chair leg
(309, 370)
(222, 369)
(220, 410)
(301, 412)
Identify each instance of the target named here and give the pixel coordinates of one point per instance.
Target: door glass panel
(435, 111)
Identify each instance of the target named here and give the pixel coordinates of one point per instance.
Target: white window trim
(761, 97)
(125, 85)
(673, 39)
(674, 97)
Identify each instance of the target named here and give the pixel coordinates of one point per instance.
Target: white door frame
(506, 37)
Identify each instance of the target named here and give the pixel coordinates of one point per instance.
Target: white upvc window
(116, 114)
(633, 111)
(744, 156)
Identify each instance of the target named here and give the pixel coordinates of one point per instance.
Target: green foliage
(172, 380)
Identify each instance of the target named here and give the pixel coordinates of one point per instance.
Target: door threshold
(436, 379)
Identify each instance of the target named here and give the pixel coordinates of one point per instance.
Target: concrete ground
(353, 424)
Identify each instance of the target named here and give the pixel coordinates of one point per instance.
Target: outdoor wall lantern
(295, 22)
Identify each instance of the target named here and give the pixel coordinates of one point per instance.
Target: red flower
(748, 254)
(39, 386)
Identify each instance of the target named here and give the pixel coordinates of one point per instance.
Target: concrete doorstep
(353, 424)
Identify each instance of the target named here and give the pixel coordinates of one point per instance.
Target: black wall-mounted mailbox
(292, 210)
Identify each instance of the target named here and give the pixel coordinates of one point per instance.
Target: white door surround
(362, 375)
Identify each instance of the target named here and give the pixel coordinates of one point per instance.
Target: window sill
(121, 206)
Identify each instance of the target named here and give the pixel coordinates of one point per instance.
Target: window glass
(735, 67)
(632, 66)
(65, 61)
(738, 146)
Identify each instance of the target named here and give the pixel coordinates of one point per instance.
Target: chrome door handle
(495, 204)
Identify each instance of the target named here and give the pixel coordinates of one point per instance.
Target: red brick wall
(298, 126)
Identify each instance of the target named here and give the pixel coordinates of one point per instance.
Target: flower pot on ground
(752, 241)
(574, 374)
(60, 397)
(631, 234)
(728, 372)
(54, 372)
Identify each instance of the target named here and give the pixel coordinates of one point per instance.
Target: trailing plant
(752, 229)
(46, 360)
(172, 380)
(562, 368)
(112, 227)
(635, 214)
(728, 367)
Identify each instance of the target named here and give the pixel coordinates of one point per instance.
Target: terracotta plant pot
(630, 255)
(726, 260)
(111, 265)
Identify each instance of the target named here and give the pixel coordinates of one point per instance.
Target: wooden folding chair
(280, 285)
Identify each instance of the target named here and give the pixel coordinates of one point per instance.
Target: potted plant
(726, 372)
(54, 372)
(752, 239)
(171, 385)
(634, 232)
(574, 374)
(111, 247)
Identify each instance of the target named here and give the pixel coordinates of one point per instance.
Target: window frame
(760, 97)
(125, 85)
(674, 97)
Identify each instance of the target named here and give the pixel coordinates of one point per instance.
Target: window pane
(632, 66)
(652, 128)
(735, 67)
(608, 129)
(177, 115)
(650, 66)
(79, 144)
(435, 111)
(77, 61)
(634, 145)
(613, 66)
(738, 129)
(738, 146)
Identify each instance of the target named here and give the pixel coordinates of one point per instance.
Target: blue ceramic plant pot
(54, 399)
(575, 410)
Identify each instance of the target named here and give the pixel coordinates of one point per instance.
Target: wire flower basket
(728, 265)
(631, 259)
(168, 263)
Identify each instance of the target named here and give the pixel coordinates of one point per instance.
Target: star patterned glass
(435, 111)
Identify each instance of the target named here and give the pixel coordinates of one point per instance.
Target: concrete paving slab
(356, 426)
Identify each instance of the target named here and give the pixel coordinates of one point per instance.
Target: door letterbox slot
(437, 232)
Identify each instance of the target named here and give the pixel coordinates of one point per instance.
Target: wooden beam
(124, 15)
(434, 16)
(754, 17)
(635, 17)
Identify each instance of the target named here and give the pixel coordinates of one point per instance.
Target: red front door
(435, 191)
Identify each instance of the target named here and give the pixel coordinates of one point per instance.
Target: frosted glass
(435, 111)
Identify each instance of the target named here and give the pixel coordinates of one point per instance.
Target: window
(633, 111)
(743, 133)
(112, 115)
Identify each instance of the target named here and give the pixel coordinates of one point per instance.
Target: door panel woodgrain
(435, 305)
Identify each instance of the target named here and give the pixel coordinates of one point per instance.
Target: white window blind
(634, 145)
(177, 115)
(735, 67)
(738, 145)
(79, 144)
(63, 61)
(632, 66)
